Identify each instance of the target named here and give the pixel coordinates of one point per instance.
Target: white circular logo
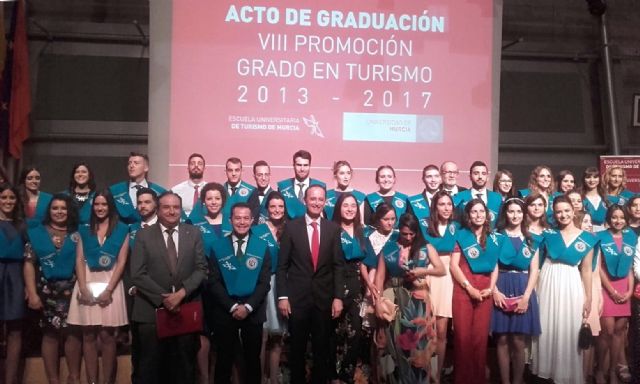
(104, 261)
(252, 263)
(474, 253)
(627, 250)
(492, 216)
(423, 255)
(75, 236)
(452, 229)
(580, 246)
(399, 204)
(243, 192)
(526, 252)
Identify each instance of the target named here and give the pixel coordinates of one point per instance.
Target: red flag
(20, 106)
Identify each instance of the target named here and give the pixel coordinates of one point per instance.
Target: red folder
(187, 320)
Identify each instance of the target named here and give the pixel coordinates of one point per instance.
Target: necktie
(171, 250)
(479, 195)
(137, 187)
(233, 190)
(145, 225)
(195, 194)
(315, 245)
(301, 192)
(239, 253)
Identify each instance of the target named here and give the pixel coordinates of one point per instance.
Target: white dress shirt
(234, 240)
(185, 191)
(482, 192)
(133, 191)
(305, 185)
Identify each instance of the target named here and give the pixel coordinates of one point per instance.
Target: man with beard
(294, 189)
(189, 190)
(479, 174)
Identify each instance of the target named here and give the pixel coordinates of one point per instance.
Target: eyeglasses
(450, 172)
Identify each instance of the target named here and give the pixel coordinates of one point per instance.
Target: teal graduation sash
(391, 254)
(133, 230)
(210, 236)
(618, 263)
(352, 248)
(519, 258)
(420, 207)
(12, 250)
(295, 208)
(263, 232)
(240, 275)
(241, 195)
(622, 198)
(557, 250)
(44, 199)
(103, 257)
(332, 199)
(398, 202)
(598, 214)
(443, 244)
(480, 260)
(127, 208)
(56, 264)
(494, 203)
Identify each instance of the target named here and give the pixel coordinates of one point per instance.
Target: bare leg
(203, 359)
(108, 343)
(14, 345)
(263, 354)
(49, 349)
(90, 352)
(502, 350)
(73, 352)
(617, 347)
(441, 346)
(587, 362)
(602, 347)
(517, 357)
(274, 359)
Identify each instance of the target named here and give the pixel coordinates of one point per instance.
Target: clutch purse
(511, 303)
(187, 320)
(97, 288)
(636, 291)
(585, 337)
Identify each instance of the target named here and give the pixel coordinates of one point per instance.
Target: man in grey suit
(167, 268)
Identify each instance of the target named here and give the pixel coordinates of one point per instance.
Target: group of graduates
(370, 280)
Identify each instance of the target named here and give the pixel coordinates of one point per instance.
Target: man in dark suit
(167, 268)
(262, 176)
(310, 284)
(239, 282)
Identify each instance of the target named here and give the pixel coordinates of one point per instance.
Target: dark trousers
(170, 360)
(318, 324)
(231, 336)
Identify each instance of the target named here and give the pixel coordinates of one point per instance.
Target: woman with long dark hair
(275, 326)
(474, 268)
(35, 201)
(12, 307)
(617, 245)
(440, 231)
(516, 314)
(402, 268)
(564, 294)
(352, 348)
(98, 303)
(82, 187)
(49, 272)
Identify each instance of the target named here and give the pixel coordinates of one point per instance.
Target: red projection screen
(405, 83)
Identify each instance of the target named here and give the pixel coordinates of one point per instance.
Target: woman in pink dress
(618, 248)
(98, 302)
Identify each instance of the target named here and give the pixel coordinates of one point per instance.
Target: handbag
(386, 309)
(585, 337)
(636, 291)
(511, 303)
(187, 320)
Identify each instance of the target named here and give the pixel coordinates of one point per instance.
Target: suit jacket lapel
(305, 235)
(162, 246)
(183, 233)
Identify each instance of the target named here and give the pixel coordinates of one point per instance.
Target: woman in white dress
(564, 291)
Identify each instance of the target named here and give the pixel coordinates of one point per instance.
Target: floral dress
(408, 342)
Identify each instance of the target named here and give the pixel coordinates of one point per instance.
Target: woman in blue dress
(614, 182)
(12, 306)
(564, 295)
(82, 187)
(516, 314)
(342, 173)
(400, 277)
(35, 201)
(386, 180)
(49, 272)
(275, 326)
(595, 200)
